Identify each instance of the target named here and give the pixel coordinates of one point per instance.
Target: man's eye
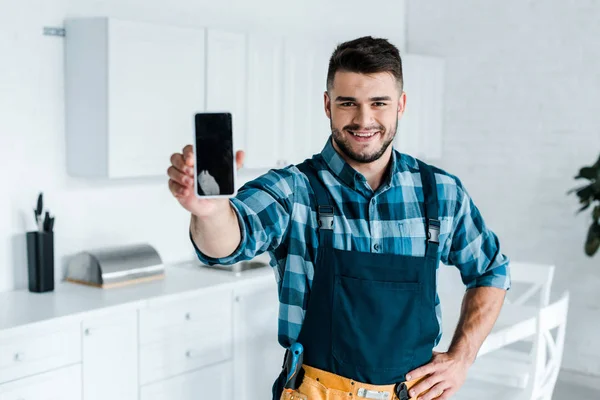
(347, 104)
(379, 104)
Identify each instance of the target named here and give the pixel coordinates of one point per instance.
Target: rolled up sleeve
(263, 207)
(474, 249)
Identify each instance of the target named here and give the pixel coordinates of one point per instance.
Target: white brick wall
(522, 115)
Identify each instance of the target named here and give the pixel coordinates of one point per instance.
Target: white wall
(521, 118)
(32, 140)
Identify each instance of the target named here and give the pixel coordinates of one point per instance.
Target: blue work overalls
(370, 317)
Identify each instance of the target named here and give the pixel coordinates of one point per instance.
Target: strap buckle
(433, 231)
(325, 217)
(401, 391)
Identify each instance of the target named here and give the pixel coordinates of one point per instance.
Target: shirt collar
(349, 175)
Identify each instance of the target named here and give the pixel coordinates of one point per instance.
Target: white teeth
(363, 134)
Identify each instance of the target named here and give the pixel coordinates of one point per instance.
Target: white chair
(532, 284)
(547, 358)
(537, 277)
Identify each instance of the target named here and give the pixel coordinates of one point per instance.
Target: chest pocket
(413, 236)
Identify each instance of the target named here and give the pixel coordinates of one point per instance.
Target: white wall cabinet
(265, 102)
(226, 79)
(305, 126)
(110, 357)
(131, 92)
(258, 355)
(420, 129)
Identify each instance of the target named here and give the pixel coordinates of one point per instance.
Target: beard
(363, 158)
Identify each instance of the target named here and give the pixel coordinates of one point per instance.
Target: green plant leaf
(592, 242)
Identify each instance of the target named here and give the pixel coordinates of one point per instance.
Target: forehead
(364, 85)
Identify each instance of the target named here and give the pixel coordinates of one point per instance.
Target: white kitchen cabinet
(213, 382)
(132, 90)
(39, 349)
(60, 384)
(110, 357)
(265, 102)
(420, 129)
(258, 355)
(305, 125)
(226, 79)
(185, 335)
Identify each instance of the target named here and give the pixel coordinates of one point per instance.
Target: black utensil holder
(40, 261)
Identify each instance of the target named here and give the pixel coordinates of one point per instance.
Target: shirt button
(373, 201)
(376, 246)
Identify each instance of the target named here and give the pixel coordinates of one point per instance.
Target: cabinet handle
(189, 354)
(19, 356)
(87, 332)
(188, 316)
(237, 299)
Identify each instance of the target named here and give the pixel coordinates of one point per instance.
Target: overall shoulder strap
(431, 209)
(324, 203)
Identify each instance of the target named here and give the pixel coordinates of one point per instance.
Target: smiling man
(356, 234)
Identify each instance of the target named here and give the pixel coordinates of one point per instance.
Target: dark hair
(365, 55)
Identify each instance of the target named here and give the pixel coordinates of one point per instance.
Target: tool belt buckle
(373, 394)
(401, 391)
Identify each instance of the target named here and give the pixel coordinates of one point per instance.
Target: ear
(327, 104)
(401, 104)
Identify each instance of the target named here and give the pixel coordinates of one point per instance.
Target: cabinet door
(420, 129)
(265, 103)
(214, 383)
(306, 126)
(226, 79)
(156, 85)
(257, 353)
(110, 357)
(60, 384)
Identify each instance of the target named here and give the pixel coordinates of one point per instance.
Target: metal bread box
(116, 266)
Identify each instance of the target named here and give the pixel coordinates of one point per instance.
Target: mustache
(355, 127)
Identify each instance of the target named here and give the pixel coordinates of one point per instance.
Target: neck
(374, 172)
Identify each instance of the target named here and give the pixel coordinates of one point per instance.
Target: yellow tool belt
(320, 385)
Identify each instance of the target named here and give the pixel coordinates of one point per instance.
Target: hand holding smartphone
(184, 183)
(214, 167)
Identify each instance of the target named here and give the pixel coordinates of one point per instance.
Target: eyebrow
(378, 98)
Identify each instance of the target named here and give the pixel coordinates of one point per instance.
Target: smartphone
(214, 169)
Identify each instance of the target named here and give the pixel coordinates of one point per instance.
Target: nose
(364, 118)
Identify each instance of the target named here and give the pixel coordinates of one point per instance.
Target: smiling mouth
(363, 134)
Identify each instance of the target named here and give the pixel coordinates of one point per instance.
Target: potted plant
(589, 195)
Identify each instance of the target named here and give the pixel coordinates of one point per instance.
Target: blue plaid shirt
(275, 215)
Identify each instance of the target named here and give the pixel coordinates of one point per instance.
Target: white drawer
(214, 382)
(60, 384)
(39, 349)
(159, 323)
(185, 352)
(185, 348)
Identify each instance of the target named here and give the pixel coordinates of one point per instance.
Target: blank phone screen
(214, 154)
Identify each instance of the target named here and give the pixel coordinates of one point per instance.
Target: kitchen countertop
(20, 308)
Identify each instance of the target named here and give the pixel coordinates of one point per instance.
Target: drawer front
(39, 350)
(187, 351)
(159, 323)
(60, 384)
(214, 382)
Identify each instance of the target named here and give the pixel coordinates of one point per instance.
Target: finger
(421, 371)
(177, 162)
(424, 385)
(188, 155)
(447, 394)
(176, 189)
(434, 392)
(239, 158)
(183, 179)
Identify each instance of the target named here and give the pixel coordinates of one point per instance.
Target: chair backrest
(548, 349)
(538, 279)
